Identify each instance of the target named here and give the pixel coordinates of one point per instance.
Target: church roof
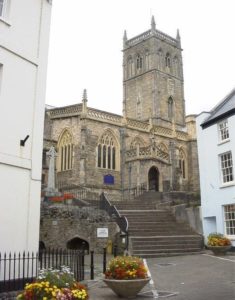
(224, 109)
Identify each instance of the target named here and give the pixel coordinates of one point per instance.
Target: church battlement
(149, 33)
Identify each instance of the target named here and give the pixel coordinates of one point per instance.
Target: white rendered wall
(214, 194)
(24, 33)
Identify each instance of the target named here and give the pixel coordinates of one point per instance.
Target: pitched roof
(222, 110)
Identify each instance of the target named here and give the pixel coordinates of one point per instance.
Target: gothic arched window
(107, 152)
(182, 163)
(139, 62)
(65, 149)
(170, 108)
(168, 60)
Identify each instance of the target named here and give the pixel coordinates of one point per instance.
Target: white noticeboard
(102, 232)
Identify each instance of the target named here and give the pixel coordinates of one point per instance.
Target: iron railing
(18, 269)
(113, 212)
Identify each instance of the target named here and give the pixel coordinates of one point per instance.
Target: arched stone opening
(153, 179)
(77, 244)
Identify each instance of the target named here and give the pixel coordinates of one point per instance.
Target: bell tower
(153, 85)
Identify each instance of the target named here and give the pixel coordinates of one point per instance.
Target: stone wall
(190, 215)
(60, 224)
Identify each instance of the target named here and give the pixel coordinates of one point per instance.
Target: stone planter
(126, 288)
(219, 250)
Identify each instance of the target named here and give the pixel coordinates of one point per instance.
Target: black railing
(113, 212)
(18, 269)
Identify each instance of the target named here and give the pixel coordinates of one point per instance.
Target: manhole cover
(165, 264)
(161, 294)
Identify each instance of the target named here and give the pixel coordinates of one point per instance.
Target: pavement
(191, 277)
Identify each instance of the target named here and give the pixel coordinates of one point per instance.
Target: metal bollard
(115, 250)
(104, 261)
(92, 265)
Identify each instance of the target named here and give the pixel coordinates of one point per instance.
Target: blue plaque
(108, 179)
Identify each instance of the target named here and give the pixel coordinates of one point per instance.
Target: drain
(161, 294)
(165, 264)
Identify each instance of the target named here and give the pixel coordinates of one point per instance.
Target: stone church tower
(153, 78)
(152, 146)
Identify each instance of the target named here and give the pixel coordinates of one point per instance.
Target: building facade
(216, 144)
(151, 146)
(23, 61)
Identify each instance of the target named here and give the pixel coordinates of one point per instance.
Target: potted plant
(126, 276)
(218, 243)
(53, 284)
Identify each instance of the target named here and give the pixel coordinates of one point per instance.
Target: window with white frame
(223, 130)
(3, 5)
(226, 167)
(229, 219)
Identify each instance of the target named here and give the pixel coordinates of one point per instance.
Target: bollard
(104, 261)
(92, 265)
(115, 250)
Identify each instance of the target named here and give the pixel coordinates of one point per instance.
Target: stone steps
(154, 232)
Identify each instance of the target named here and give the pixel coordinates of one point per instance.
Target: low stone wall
(60, 225)
(190, 215)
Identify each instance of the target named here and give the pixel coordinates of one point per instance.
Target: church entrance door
(153, 179)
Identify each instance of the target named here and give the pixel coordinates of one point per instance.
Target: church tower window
(182, 163)
(139, 62)
(65, 157)
(170, 108)
(168, 60)
(106, 152)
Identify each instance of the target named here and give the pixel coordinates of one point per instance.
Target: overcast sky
(86, 48)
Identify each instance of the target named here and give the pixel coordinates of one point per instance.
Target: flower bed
(54, 285)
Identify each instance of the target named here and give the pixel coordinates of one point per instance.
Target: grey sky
(86, 43)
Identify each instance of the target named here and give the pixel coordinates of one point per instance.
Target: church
(151, 146)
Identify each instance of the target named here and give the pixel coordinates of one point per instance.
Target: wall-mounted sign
(108, 179)
(102, 232)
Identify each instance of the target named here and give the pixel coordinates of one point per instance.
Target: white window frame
(226, 168)
(229, 219)
(223, 131)
(3, 6)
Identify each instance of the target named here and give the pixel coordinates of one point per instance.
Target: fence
(18, 269)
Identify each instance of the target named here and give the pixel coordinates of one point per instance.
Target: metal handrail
(113, 212)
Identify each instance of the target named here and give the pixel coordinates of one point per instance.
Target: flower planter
(219, 250)
(126, 288)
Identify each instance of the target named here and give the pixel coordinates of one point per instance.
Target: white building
(24, 36)
(216, 149)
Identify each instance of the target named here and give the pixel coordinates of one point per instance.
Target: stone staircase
(153, 230)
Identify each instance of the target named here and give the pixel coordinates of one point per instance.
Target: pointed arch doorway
(153, 179)
(77, 244)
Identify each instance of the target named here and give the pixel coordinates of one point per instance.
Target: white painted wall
(24, 32)
(214, 194)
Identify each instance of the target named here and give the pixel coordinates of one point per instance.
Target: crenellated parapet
(150, 33)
